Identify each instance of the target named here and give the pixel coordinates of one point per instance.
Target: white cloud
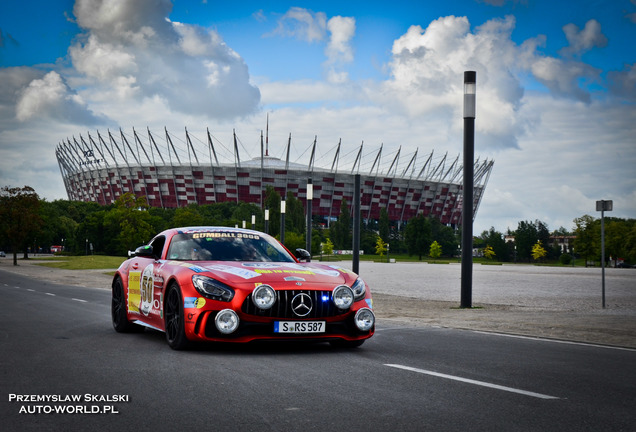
(428, 65)
(302, 24)
(50, 97)
(583, 40)
(132, 51)
(339, 50)
(623, 83)
(341, 31)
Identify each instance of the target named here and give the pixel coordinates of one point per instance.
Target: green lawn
(82, 262)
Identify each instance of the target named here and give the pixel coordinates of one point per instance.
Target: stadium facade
(102, 167)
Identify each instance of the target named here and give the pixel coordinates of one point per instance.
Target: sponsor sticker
(134, 296)
(193, 302)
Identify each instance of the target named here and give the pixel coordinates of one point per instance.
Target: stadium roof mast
(174, 176)
(210, 152)
(237, 163)
(103, 158)
(310, 167)
(377, 168)
(190, 146)
(357, 161)
(336, 158)
(237, 157)
(132, 187)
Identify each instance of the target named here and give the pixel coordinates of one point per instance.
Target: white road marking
(475, 382)
(80, 300)
(560, 341)
(50, 294)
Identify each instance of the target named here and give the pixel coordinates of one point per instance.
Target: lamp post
(282, 220)
(253, 221)
(310, 197)
(603, 206)
(356, 225)
(470, 87)
(266, 220)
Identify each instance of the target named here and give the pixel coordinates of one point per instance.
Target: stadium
(173, 171)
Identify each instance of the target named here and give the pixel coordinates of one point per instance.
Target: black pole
(266, 220)
(470, 81)
(356, 224)
(310, 196)
(282, 221)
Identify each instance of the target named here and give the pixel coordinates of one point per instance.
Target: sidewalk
(559, 303)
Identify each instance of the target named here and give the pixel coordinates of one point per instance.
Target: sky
(556, 88)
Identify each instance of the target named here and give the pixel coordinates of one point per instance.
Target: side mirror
(303, 255)
(142, 251)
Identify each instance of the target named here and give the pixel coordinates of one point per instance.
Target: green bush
(565, 259)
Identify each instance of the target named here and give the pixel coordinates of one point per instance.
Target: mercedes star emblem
(301, 304)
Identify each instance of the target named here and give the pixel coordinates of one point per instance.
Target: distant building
(565, 243)
(100, 168)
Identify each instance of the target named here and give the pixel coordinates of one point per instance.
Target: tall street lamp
(266, 220)
(310, 197)
(282, 221)
(470, 87)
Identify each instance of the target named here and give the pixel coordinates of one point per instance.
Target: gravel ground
(550, 302)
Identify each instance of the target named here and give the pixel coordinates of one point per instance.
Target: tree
(19, 218)
(495, 241)
(538, 251)
(327, 247)
(272, 202)
(417, 235)
(587, 232)
(489, 253)
(294, 215)
(444, 235)
(527, 235)
(380, 247)
(384, 225)
(130, 216)
(187, 216)
(341, 229)
(436, 250)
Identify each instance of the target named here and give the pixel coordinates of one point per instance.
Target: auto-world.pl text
(68, 404)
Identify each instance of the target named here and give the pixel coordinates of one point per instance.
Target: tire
(174, 319)
(118, 310)
(346, 344)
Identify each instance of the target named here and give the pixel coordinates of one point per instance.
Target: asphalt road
(57, 342)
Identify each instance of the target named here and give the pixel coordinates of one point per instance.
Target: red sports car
(237, 285)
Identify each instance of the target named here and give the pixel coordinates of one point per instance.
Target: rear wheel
(175, 325)
(118, 310)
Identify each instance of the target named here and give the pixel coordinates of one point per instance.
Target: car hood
(251, 273)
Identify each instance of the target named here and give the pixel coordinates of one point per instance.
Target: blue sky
(556, 86)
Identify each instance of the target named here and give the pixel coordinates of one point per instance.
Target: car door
(151, 285)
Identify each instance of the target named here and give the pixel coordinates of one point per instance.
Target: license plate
(299, 326)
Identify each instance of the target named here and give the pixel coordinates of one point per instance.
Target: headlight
(226, 321)
(359, 289)
(343, 297)
(365, 319)
(263, 297)
(212, 288)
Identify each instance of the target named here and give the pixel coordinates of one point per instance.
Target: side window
(157, 246)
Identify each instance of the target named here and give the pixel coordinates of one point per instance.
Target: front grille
(322, 305)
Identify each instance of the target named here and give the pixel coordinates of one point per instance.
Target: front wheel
(175, 325)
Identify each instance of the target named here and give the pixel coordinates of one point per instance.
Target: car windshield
(226, 246)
